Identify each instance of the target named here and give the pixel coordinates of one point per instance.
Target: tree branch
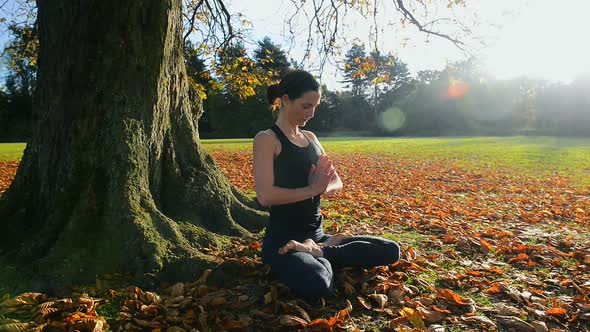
(191, 25)
(399, 4)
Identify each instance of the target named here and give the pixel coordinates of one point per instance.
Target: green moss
(407, 238)
(199, 237)
(111, 307)
(482, 300)
(10, 282)
(249, 193)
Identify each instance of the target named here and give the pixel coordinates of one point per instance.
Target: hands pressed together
(321, 175)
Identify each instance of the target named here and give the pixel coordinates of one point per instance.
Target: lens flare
(392, 119)
(457, 89)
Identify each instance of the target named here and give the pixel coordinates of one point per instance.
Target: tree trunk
(114, 178)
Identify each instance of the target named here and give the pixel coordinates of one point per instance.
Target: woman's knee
(393, 251)
(315, 286)
(313, 281)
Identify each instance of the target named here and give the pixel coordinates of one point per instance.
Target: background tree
(20, 58)
(440, 105)
(355, 70)
(376, 82)
(328, 115)
(563, 109)
(393, 81)
(201, 81)
(271, 58)
(233, 113)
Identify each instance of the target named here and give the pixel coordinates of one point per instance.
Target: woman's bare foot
(308, 246)
(334, 240)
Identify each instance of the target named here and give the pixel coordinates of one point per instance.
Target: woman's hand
(321, 175)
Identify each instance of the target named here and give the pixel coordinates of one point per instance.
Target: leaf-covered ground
(484, 248)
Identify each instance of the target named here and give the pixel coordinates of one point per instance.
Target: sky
(543, 39)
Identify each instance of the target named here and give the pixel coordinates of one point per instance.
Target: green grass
(11, 151)
(535, 155)
(569, 157)
(482, 300)
(408, 238)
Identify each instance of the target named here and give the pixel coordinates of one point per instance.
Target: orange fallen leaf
(496, 270)
(474, 273)
(494, 289)
(320, 323)
(518, 258)
(485, 244)
(452, 297)
(556, 311)
(566, 282)
(444, 311)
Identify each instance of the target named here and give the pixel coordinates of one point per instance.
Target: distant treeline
(380, 97)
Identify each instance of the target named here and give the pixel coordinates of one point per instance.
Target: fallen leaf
(218, 301)
(479, 319)
(432, 316)
(413, 316)
(539, 326)
(289, 320)
(452, 297)
(515, 323)
(556, 311)
(366, 304)
(381, 299)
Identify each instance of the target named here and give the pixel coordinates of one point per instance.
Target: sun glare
(546, 40)
(392, 119)
(457, 89)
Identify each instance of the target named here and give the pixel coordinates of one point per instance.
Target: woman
(291, 172)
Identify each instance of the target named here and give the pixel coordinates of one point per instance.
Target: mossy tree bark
(114, 178)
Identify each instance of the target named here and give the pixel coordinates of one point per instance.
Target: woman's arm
(335, 184)
(267, 193)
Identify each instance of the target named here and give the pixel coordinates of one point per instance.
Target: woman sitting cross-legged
(291, 172)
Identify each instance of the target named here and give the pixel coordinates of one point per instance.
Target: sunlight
(545, 41)
(457, 89)
(392, 119)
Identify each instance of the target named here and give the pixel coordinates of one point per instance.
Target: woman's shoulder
(309, 134)
(265, 135)
(267, 138)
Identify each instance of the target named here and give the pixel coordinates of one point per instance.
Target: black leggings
(311, 277)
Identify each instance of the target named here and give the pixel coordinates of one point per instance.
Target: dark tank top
(291, 170)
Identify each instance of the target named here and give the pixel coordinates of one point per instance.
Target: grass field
(11, 151)
(494, 235)
(537, 153)
(534, 155)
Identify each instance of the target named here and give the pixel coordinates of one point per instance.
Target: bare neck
(289, 128)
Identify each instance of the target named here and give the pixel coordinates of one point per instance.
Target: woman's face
(302, 109)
